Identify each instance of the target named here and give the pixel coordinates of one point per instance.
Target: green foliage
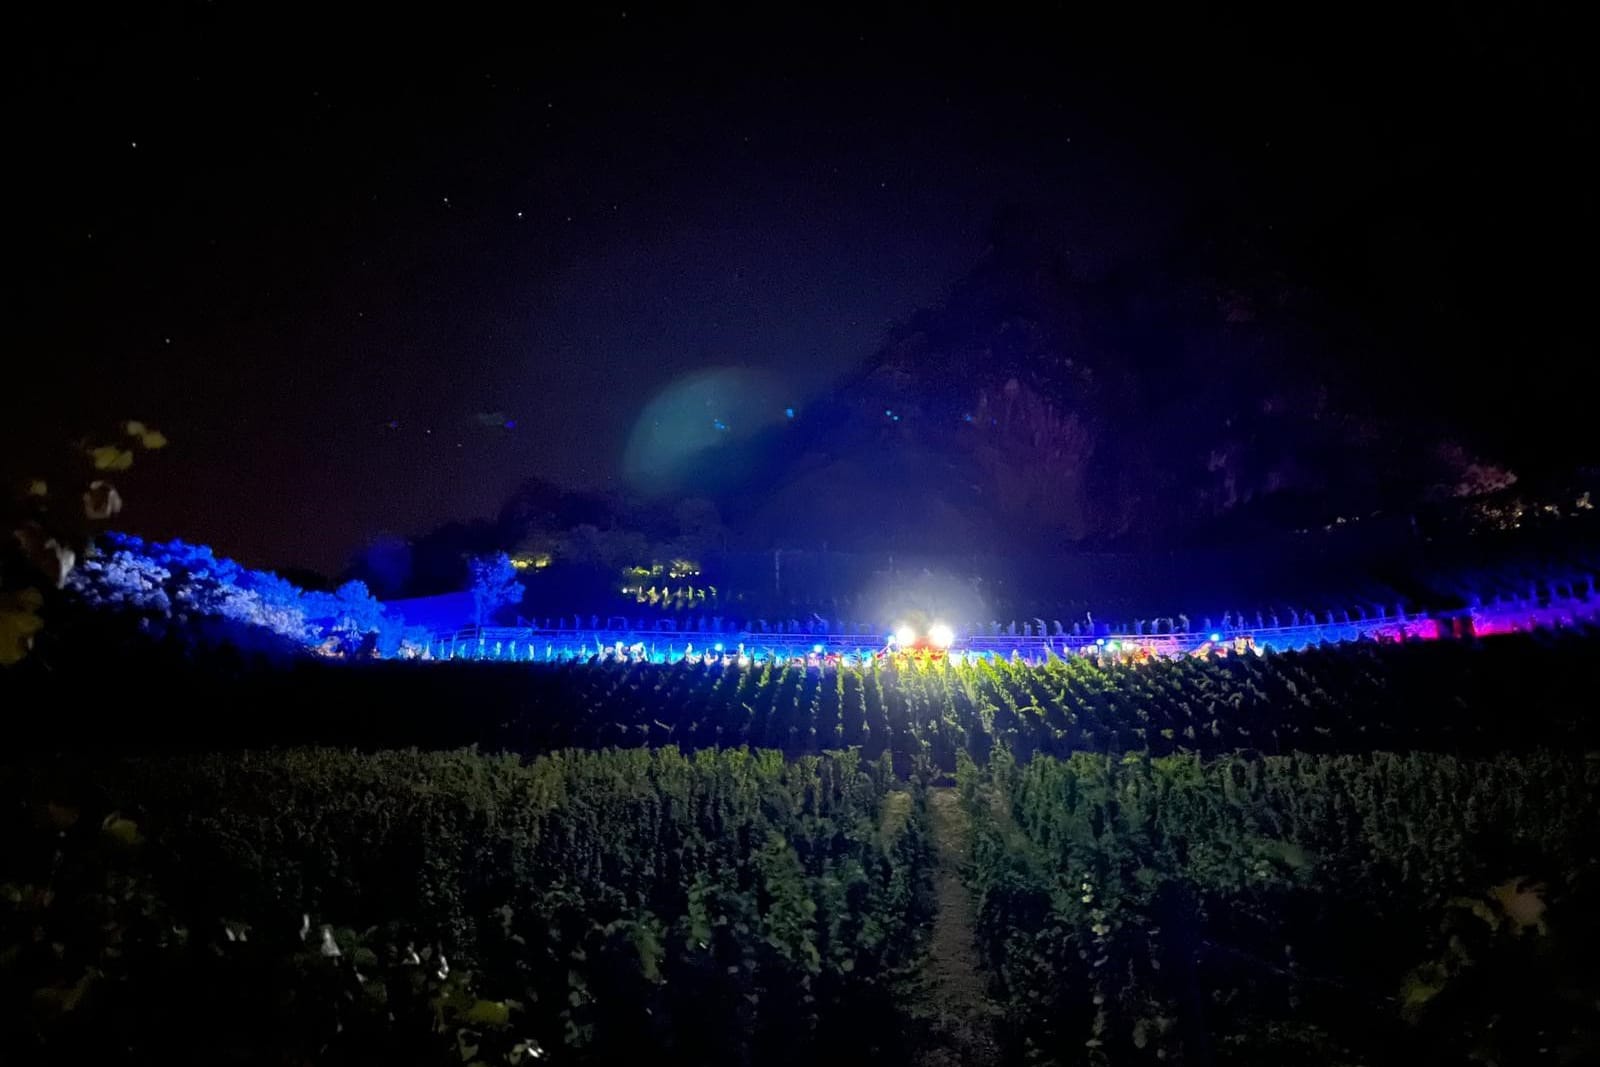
(54, 534)
(1448, 696)
(1251, 910)
(19, 622)
(706, 908)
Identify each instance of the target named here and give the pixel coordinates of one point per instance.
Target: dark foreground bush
(1374, 909)
(326, 907)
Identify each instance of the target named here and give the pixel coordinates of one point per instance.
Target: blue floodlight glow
(1100, 641)
(817, 649)
(717, 647)
(788, 413)
(1216, 637)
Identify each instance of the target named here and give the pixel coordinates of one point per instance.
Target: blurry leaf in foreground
(48, 555)
(1523, 905)
(529, 1049)
(134, 427)
(56, 1001)
(111, 458)
(52, 558)
(37, 487)
(62, 560)
(153, 439)
(489, 1013)
(123, 831)
(19, 621)
(60, 816)
(101, 500)
(1421, 986)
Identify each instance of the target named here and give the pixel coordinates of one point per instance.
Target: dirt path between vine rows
(954, 1001)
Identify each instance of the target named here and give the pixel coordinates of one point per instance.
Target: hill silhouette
(1051, 400)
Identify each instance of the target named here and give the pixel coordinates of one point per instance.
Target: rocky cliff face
(1044, 405)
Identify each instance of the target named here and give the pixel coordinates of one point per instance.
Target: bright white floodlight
(941, 635)
(904, 635)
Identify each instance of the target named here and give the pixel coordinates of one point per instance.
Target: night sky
(370, 274)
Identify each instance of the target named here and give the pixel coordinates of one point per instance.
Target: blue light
(817, 649)
(717, 647)
(1101, 642)
(719, 424)
(1216, 637)
(788, 413)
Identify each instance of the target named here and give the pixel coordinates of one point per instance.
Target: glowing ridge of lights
(909, 640)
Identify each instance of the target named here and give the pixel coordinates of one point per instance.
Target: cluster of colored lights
(940, 635)
(940, 640)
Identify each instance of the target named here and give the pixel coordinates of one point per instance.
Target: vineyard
(1509, 692)
(1326, 700)
(1362, 853)
(711, 536)
(720, 908)
(1288, 910)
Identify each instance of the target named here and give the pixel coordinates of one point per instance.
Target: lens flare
(904, 635)
(941, 635)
